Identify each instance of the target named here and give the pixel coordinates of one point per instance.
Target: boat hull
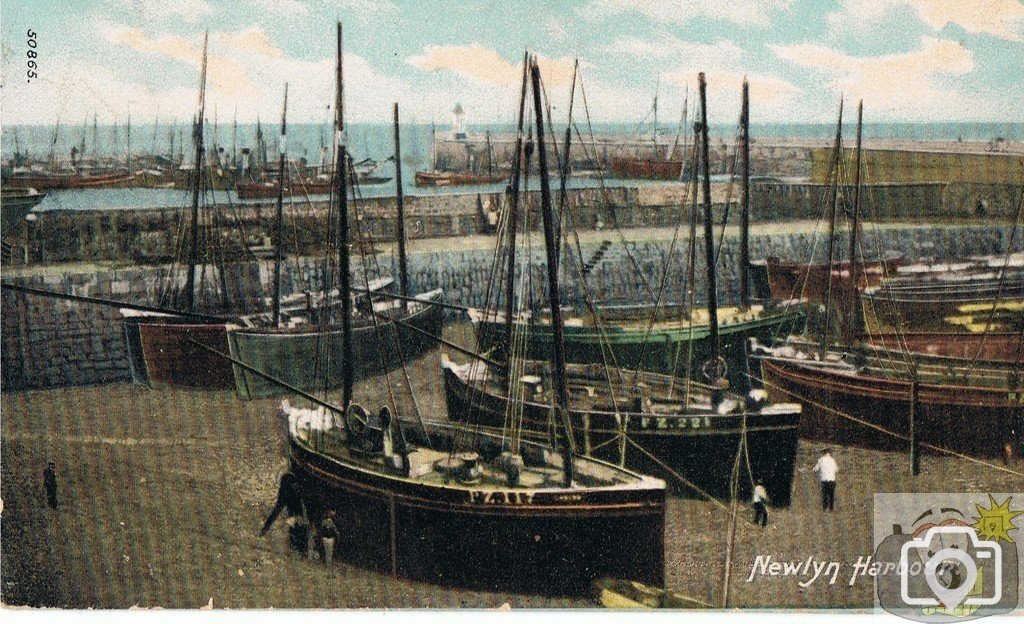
(702, 448)
(998, 347)
(291, 355)
(976, 421)
(800, 280)
(667, 351)
(646, 169)
(133, 342)
(451, 178)
(172, 360)
(45, 182)
(553, 541)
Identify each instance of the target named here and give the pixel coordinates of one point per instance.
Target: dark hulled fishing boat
(802, 280)
(667, 422)
(652, 423)
(450, 504)
(455, 519)
(15, 204)
(628, 168)
(456, 178)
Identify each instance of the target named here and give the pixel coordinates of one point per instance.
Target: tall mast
(561, 389)
(197, 172)
(279, 242)
(128, 135)
(513, 214)
(156, 129)
(490, 155)
(341, 171)
(403, 262)
(564, 177)
(234, 138)
(855, 225)
(830, 244)
(95, 137)
(709, 242)
(745, 210)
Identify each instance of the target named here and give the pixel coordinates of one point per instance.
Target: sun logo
(996, 522)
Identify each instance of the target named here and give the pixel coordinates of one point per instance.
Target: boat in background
(54, 181)
(456, 178)
(630, 168)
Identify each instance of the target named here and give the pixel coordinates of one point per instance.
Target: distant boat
(268, 189)
(455, 178)
(630, 168)
(46, 181)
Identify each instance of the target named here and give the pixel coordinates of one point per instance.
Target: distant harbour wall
(50, 343)
(243, 232)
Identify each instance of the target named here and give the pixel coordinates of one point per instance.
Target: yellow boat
(625, 594)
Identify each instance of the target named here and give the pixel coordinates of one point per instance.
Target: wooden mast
(197, 172)
(830, 252)
(854, 227)
(403, 261)
(709, 248)
(558, 364)
(341, 171)
(513, 216)
(563, 199)
(745, 210)
(279, 227)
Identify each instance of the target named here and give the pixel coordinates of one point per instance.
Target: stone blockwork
(48, 342)
(242, 233)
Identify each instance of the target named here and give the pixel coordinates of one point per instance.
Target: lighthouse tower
(458, 123)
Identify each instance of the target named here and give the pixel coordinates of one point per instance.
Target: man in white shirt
(760, 501)
(827, 469)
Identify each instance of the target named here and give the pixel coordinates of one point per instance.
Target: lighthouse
(458, 123)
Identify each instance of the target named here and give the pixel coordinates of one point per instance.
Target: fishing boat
(268, 189)
(649, 422)
(962, 303)
(385, 331)
(53, 181)
(802, 280)
(632, 168)
(885, 395)
(663, 338)
(456, 178)
(453, 505)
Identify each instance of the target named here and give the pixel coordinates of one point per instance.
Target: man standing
(760, 502)
(827, 469)
(328, 533)
(50, 483)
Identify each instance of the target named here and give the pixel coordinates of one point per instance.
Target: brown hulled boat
(864, 398)
(645, 168)
(456, 178)
(269, 189)
(46, 181)
(802, 280)
(172, 360)
(999, 347)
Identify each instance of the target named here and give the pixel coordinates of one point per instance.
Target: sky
(909, 60)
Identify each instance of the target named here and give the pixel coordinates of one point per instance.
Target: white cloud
(487, 66)
(999, 18)
(742, 12)
(907, 85)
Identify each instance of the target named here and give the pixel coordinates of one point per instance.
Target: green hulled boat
(626, 339)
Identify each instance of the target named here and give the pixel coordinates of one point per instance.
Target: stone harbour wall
(48, 342)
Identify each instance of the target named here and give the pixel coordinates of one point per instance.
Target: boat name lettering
(500, 497)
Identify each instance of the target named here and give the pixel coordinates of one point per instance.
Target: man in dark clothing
(50, 483)
(328, 533)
